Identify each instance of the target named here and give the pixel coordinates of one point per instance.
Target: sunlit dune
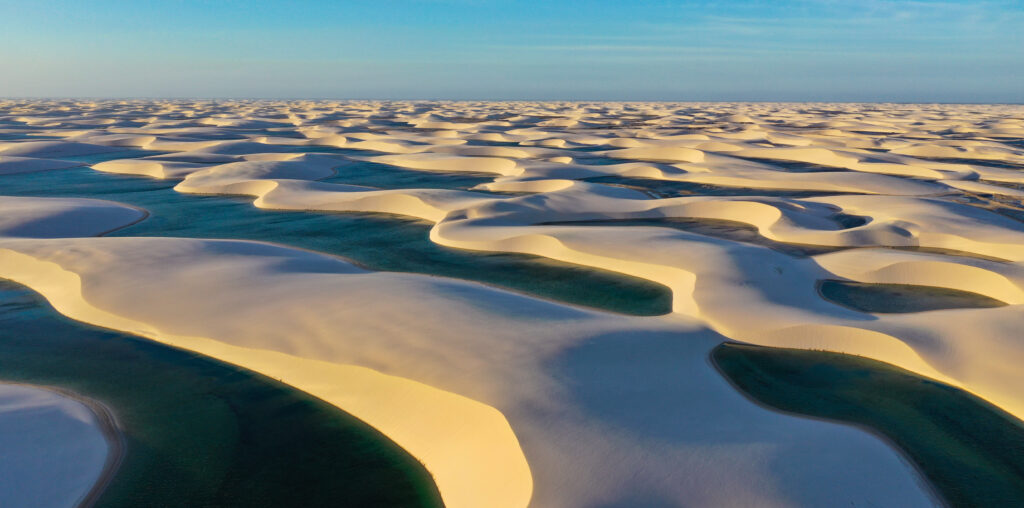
(743, 211)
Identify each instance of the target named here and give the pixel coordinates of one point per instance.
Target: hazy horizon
(434, 99)
(915, 51)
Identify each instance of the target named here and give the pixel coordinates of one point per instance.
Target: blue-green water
(203, 433)
(96, 158)
(976, 162)
(28, 136)
(383, 176)
(377, 241)
(724, 229)
(353, 171)
(971, 451)
(670, 188)
(746, 233)
(794, 166)
(901, 298)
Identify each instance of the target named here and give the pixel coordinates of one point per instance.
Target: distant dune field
(531, 371)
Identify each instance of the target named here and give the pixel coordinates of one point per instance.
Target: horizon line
(408, 99)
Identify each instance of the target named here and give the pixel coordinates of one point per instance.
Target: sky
(748, 50)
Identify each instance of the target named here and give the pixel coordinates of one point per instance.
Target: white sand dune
(12, 165)
(60, 217)
(52, 448)
(52, 149)
(510, 400)
(504, 398)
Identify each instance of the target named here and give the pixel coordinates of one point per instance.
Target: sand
(56, 449)
(509, 400)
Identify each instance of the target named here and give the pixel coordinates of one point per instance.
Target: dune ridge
(906, 194)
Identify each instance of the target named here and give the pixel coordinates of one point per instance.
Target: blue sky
(799, 50)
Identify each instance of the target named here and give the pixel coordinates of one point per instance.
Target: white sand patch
(52, 448)
(431, 362)
(61, 217)
(12, 165)
(510, 400)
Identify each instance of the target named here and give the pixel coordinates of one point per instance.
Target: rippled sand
(511, 400)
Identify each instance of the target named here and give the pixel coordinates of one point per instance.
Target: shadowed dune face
(374, 240)
(955, 437)
(735, 211)
(53, 447)
(196, 432)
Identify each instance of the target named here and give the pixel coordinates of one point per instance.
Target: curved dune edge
(745, 292)
(479, 464)
(111, 432)
(69, 466)
(455, 226)
(581, 457)
(32, 217)
(700, 281)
